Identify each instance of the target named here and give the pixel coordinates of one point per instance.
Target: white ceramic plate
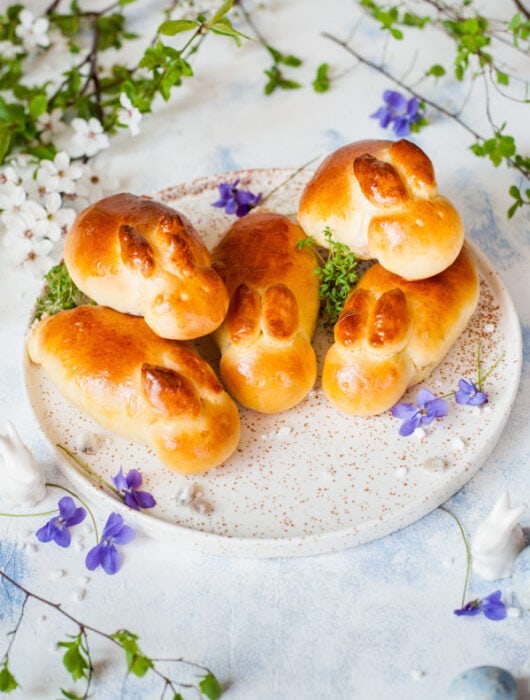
(310, 480)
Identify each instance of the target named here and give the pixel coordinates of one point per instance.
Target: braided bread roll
(138, 385)
(267, 361)
(142, 257)
(381, 199)
(392, 333)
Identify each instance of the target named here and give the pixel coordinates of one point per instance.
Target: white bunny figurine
(21, 478)
(498, 540)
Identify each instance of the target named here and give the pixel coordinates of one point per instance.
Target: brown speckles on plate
(309, 480)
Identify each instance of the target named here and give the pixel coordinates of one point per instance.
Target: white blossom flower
(58, 175)
(19, 213)
(57, 219)
(27, 249)
(8, 187)
(8, 49)
(50, 125)
(96, 182)
(129, 116)
(8, 176)
(89, 137)
(33, 31)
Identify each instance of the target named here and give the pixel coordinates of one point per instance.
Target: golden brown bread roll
(143, 387)
(392, 333)
(381, 199)
(142, 257)
(267, 361)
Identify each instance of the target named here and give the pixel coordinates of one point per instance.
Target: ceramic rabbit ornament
(498, 540)
(21, 478)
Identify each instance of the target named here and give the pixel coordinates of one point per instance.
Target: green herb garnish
(337, 273)
(59, 293)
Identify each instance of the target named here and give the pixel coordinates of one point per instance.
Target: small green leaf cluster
(76, 660)
(471, 39)
(91, 87)
(520, 200)
(337, 273)
(137, 663)
(497, 149)
(519, 28)
(276, 77)
(391, 18)
(59, 293)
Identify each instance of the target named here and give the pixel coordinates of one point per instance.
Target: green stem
(288, 179)
(468, 551)
(28, 515)
(89, 471)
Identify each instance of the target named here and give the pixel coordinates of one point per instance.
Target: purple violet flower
(427, 409)
(236, 201)
(128, 487)
(492, 607)
(105, 554)
(56, 529)
(397, 109)
(468, 393)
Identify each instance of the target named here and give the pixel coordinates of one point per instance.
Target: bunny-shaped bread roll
(392, 333)
(142, 257)
(381, 199)
(267, 361)
(143, 387)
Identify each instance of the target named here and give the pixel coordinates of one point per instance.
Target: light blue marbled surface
(374, 621)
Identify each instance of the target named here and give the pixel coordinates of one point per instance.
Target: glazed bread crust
(143, 387)
(142, 257)
(392, 333)
(267, 361)
(381, 199)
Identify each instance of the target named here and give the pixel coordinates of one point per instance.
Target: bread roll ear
(381, 199)
(138, 385)
(267, 361)
(141, 257)
(392, 333)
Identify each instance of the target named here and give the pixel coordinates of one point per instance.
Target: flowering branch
(78, 659)
(49, 130)
(472, 34)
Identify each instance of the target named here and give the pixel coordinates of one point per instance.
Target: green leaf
(75, 659)
(224, 27)
(502, 78)
(37, 106)
(174, 26)
(71, 695)
(137, 663)
(436, 70)
(321, 83)
(210, 687)
(5, 141)
(7, 679)
(221, 12)
(284, 59)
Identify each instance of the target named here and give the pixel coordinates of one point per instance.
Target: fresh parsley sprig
(338, 274)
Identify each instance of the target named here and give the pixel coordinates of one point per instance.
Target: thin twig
(440, 108)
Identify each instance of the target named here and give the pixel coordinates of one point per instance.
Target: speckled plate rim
(328, 541)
